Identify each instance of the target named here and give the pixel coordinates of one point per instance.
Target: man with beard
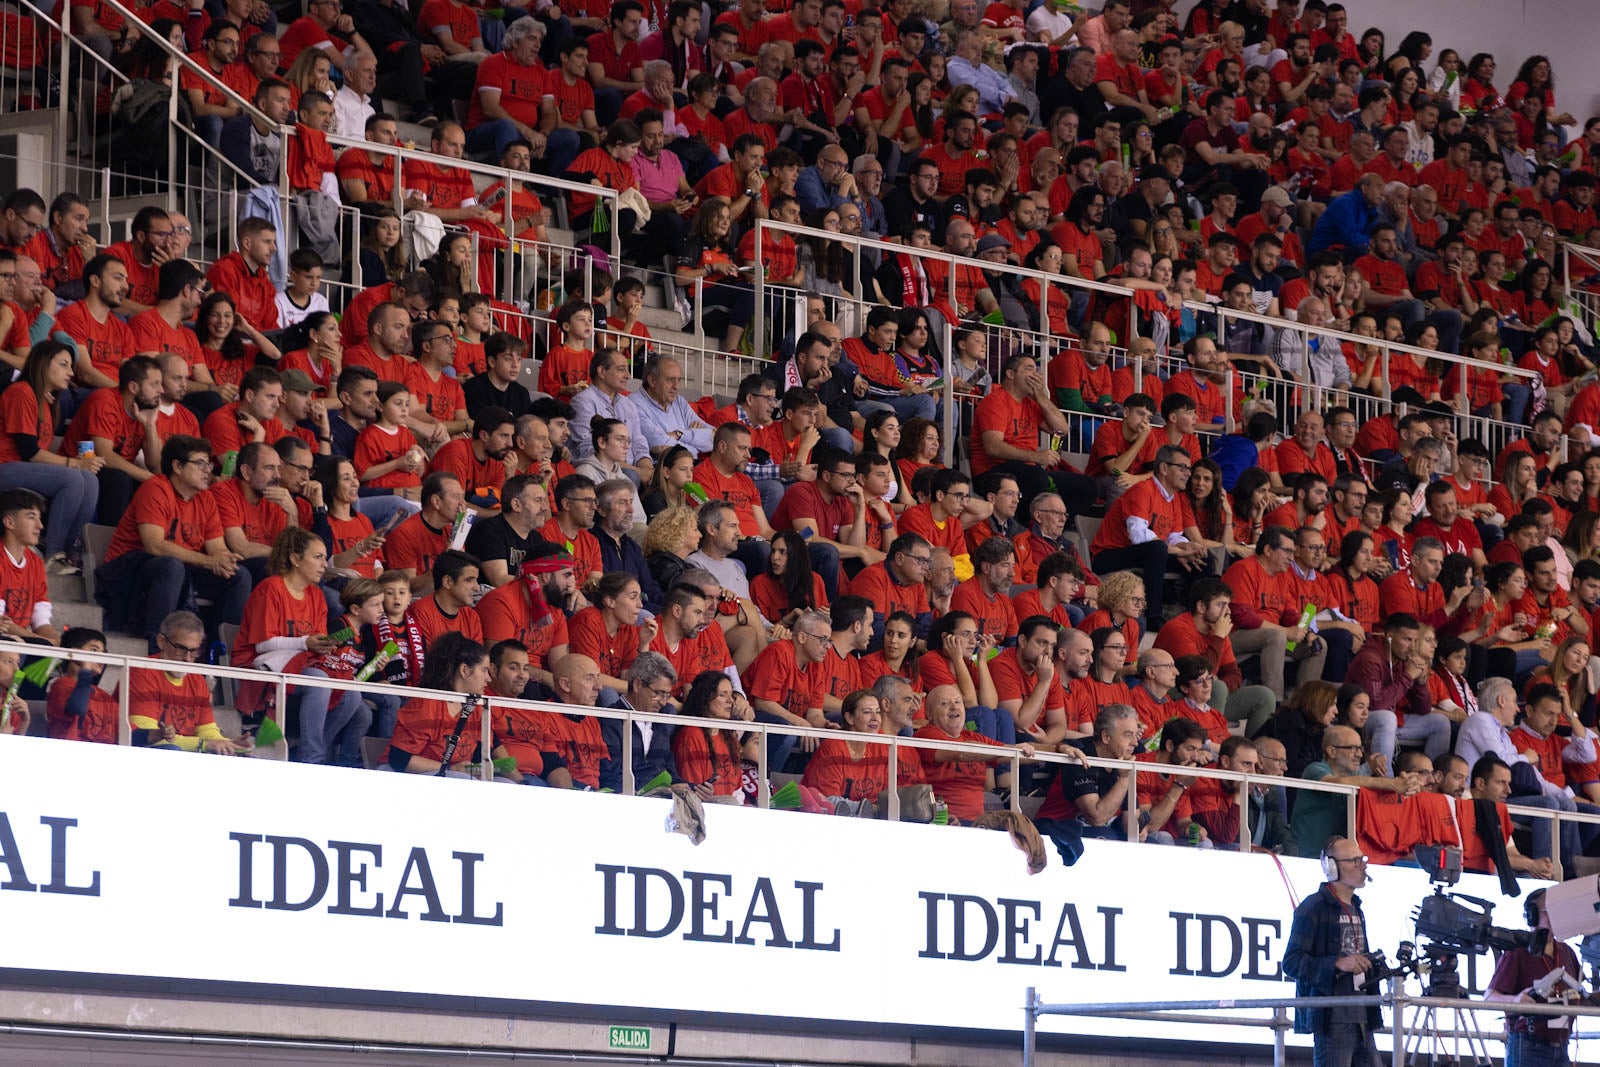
(532, 606)
(120, 424)
(480, 464)
(94, 323)
(172, 417)
(255, 508)
(504, 541)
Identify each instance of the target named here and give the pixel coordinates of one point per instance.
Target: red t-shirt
(377, 444)
(1145, 500)
(261, 522)
(414, 545)
(188, 523)
(776, 675)
(19, 414)
(737, 489)
(106, 344)
(272, 611)
(1017, 420)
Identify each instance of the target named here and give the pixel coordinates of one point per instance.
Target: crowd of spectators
(1099, 571)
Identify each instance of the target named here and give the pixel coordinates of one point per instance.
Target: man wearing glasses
(1327, 956)
(1266, 611)
(898, 584)
(168, 709)
(143, 254)
(1318, 815)
(168, 549)
(1151, 525)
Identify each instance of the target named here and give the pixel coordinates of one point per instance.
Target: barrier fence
(1011, 756)
(1407, 1037)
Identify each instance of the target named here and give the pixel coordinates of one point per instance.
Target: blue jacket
(1314, 947)
(647, 763)
(624, 554)
(1348, 222)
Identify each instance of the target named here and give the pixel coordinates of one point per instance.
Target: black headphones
(1530, 907)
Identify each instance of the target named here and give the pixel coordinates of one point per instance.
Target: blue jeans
(73, 495)
(1525, 1050)
(140, 589)
(1344, 1045)
(1517, 397)
(995, 725)
(1384, 736)
(922, 405)
(332, 723)
(1543, 828)
(379, 509)
(385, 710)
(779, 746)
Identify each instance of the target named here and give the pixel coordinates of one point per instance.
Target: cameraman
(1327, 956)
(1535, 1040)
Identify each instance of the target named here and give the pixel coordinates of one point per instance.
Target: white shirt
(351, 111)
(290, 315)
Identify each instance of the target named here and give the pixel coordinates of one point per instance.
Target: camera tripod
(1435, 1036)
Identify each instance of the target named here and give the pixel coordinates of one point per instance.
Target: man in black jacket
(1327, 956)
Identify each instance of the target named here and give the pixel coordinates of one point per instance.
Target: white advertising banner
(130, 862)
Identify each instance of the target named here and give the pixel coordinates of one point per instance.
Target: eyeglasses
(663, 694)
(1350, 859)
(1184, 467)
(184, 650)
(201, 461)
(580, 500)
(1114, 648)
(1348, 748)
(921, 561)
(303, 468)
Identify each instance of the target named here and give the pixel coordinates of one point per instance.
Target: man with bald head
(1327, 956)
(1319, 816)
(577, 739)
(827, 183)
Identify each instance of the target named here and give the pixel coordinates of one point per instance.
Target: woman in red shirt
(1535, 299)
(608, 631)
(30, 408)
(921, 444)
(1486, 286)
(789, 585)
(430, 734)
(1352, 581)
(229, 346)
(322, 359)
(285, 617)
(1121, 601)
(1051, 298)
(609, 166)
(354, 548)
(853, 768)
(709, 759)
(1252, 499)
(1521, 484)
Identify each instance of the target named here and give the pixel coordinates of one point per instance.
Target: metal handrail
(1010, 754)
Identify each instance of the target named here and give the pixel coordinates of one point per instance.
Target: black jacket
(1315, 945)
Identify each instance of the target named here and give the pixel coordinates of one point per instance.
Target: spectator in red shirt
(243, 275)
(1150, 525)
(169, 546)
(148, 248)
(1387, 289)
(1206, 630)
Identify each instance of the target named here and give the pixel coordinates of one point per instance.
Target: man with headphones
(1535, 1040)
(1327, 956)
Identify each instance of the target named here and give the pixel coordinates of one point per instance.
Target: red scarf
(413, 648)
(913, 282)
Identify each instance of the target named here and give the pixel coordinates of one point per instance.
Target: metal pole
(894, 778)
(627, 750)
(949, 419)
(1244, 814)
(759, 326)
(1280, 1023)
(485, 743)
(1030, 1018)
(763, 787)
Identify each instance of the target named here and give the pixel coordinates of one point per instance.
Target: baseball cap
(297, 381)
(1276, 195)
(992, 241)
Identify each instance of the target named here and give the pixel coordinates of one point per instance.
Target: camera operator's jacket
(1314, 947)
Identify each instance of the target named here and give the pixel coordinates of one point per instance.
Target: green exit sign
(629, 1039)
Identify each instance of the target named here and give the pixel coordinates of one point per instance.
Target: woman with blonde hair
(670, 539)
(1122, 603)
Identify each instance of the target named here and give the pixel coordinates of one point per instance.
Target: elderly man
(650, 683)
(1487, 732)
(665, 416)
(1308, 356)
(352, 104)
(827, 183)
(1319, 816)
(966, 67)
